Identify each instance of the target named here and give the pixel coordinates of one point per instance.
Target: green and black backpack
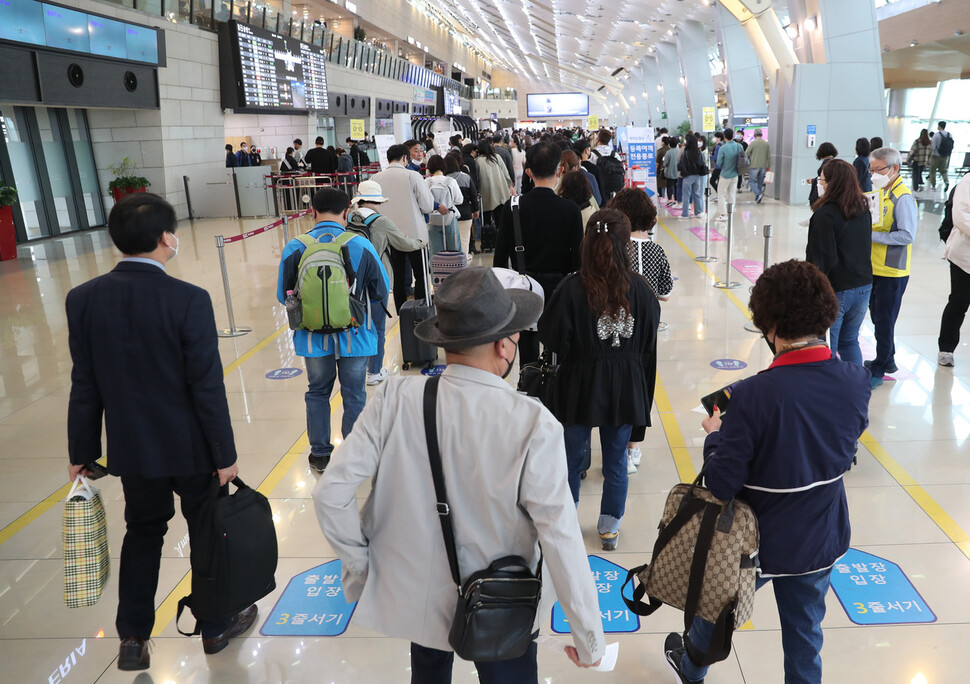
(326, 285)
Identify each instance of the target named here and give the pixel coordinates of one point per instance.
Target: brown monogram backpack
(705, 563)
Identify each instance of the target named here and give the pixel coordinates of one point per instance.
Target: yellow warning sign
(357, 129)
(710, 119)
(594, 122)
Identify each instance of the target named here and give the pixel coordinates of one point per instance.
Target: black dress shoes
(239, 623)
(133, 654)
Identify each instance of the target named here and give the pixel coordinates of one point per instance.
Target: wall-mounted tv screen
(263, 70)
(449, 101)
(557, 104)
(43, 24)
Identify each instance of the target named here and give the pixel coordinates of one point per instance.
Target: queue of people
(603, 278)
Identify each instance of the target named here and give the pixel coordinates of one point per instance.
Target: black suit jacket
(552, 230)
(146, 358)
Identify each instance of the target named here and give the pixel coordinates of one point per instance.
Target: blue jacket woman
(787, 439)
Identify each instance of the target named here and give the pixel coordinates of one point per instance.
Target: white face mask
(700, 145)
(176, 247)
(880, 180)
(821, 189)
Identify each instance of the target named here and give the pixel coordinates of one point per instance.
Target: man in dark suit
(552, 230)
(230, 157)
(320, 159)
(146, 360)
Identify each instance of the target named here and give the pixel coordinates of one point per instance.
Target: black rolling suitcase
(413, 350)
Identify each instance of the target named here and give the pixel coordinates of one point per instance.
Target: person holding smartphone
(783, 448)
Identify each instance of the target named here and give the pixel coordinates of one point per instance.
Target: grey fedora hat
(474, 308)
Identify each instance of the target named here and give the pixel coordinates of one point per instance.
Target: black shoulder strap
(437, 473)
(517, 227)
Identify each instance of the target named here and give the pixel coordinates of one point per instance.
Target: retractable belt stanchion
(750, 326)
(221, 242)
(707, 258)
(727, 283)
(232, 330)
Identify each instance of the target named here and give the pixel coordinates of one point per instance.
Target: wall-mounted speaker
(131, 82)
(75, 74)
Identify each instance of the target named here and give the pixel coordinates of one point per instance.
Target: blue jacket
(371, 276)
(594, 186)
(786, 440)
(242, 158)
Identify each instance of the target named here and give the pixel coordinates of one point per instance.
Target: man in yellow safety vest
(892, 252)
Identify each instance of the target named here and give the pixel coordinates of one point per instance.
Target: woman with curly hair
(602, 322)
(785, 442)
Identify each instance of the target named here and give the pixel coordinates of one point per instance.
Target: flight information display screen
(274, 72)
(42, 24)
(452, 101)
(557, 104)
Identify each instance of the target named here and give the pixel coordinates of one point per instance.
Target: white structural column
(671, 78)
(837, 90)
(653, 87)
(696, 67)
(639, 114)
(745, 78)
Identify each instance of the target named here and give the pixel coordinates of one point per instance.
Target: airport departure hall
(484, 341)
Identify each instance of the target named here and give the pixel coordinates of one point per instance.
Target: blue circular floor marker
(728, 364)
(434, 370)
(283, 373)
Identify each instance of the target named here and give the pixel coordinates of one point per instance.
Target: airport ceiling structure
(579, 44)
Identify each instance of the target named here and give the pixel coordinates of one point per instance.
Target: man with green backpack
(329, 279)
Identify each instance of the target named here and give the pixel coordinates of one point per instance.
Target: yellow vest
(891, 261)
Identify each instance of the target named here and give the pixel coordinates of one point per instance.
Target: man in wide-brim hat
(504, 466)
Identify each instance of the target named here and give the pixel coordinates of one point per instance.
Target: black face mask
(514, 354)
(771, 346)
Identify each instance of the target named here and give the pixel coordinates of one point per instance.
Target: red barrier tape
(271, 226)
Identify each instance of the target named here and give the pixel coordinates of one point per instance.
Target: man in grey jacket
(504, 466)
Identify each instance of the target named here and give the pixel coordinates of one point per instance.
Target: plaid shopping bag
(85, 536)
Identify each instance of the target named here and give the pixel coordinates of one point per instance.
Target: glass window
(57, 169)
(953, 101)
(87, 173)
(25, 178)
(202, 13)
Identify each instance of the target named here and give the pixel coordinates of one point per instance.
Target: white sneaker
(377, 378)
(721, 219)
(634, 455)
(630, 468)
(945, 359)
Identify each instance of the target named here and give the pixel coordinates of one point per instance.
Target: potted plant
(8, 238)
(125, 181)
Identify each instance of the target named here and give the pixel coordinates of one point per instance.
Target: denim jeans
(956, 309)
(884, 303)
(756, 181)
(444, 238)
(379, 316)
(321, 372)
(613, 441)
(844, 333)
(693, 192)
(431, 666)
(680, 190)
(801, 607)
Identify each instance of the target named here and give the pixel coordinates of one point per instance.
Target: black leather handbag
(538, 379)
(496, 609)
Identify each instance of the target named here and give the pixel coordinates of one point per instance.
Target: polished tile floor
(909, 495)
